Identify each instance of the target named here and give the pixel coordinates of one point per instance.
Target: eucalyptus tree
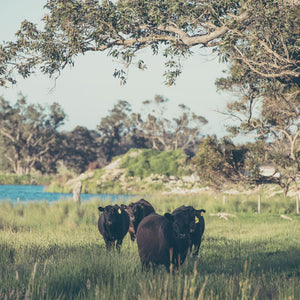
(114, 129)
(219, 162)
(123, 128)
(272, 117)
(80, 148)
(267, 109)
(262, 35)
(29, 135)
(165, 133)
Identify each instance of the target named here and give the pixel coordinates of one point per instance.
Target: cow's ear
(169, 217)
(123, 206)
(100, 208)
(140, 205)
(201, 211)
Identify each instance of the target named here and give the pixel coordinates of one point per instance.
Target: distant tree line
(31, 139)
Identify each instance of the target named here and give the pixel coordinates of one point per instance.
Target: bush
(169, 163)
(14, 179)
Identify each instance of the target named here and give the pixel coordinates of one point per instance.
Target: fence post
(77, 191)
(224, 199)
(297, 204)
(258, 204)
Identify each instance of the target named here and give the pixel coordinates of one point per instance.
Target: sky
(88, 90)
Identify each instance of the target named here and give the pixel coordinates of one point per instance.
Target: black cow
(196, 236)
(156, 239)
(185, 222)
(166, 239)
(113, 225)
(137, 211)
(191, 218)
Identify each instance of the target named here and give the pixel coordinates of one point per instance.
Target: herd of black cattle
(164, 240)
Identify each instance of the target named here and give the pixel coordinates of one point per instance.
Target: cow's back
(154, 239)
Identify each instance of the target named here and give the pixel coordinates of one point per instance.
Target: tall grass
(54, 251)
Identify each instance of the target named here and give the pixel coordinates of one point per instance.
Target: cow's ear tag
(196, 220)
(202, 213)
(119, 211)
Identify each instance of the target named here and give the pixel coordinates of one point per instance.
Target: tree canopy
(262, 35)
(29, 136)
(123, 129)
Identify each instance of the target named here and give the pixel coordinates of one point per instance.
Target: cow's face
(111, 213)
(175, 226)
(131, 210)
(185, 221)
(135, 212)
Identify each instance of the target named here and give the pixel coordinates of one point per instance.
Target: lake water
(37, 193)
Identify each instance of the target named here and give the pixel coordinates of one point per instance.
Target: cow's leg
(118, 245)
(145, 266)
(132, 236)
(197, 247)
(109, 244)
(131, 232)
(170, 267)
(190, 248)
(179, 261)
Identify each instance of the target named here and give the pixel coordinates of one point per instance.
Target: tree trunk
(77, 191)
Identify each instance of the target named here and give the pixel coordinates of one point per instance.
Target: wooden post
(77, 191)
(258, 204)
(224, 199)
(297, 204)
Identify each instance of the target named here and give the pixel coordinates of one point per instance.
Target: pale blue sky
(87, 91)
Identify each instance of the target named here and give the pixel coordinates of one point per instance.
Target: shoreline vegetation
(13, 179)
(56, 252)
(138, 172)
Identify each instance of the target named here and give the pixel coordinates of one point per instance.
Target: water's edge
(23, 193)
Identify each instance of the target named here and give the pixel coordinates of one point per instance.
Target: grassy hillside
(148, 162)
(135, 172)
(54, 251)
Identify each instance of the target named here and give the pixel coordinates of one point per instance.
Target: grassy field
(54, 251)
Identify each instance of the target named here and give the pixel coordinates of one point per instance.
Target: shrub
(169, 163)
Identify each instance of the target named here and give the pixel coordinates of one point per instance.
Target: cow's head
(135, 211)
(136, 214)
(185, 220)
(198, 214)
(112, 213)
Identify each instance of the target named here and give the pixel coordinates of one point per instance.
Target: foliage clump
(168, 163)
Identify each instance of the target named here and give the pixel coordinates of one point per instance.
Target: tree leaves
(29, 134)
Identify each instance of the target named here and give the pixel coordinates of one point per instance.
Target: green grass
(54, 251)
(149, 161)
(13, 179)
